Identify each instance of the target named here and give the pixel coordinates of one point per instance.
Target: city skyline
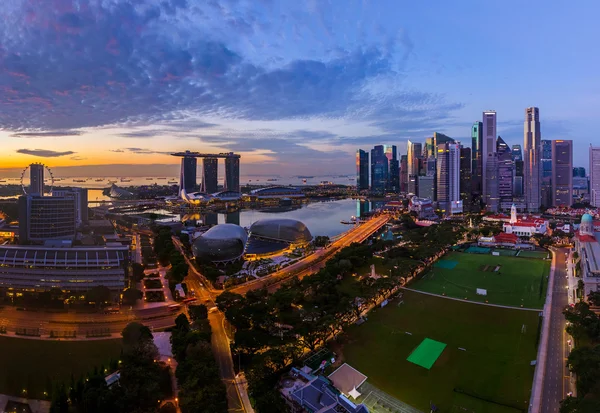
(386, 78)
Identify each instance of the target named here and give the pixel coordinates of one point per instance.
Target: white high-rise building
(594, 176)
(532, 165)
(489, 161)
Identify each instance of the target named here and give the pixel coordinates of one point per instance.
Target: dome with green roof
(586, 218)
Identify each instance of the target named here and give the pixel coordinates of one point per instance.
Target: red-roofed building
(524, 226)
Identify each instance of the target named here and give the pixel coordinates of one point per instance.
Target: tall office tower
(429, 148)
(489, 161)
(403, 173)
(210, 168)
(81, 202)
(546, 173)
(532, 153)
(579, 171)
(36, 177)
(518, 179)
(448, 178)
(562, 173)
(506, 169)
(379, 169)
(580, 183)
(232, 173)
(517, 153)
(362, 170)
(426, 186)
(594, 173)
(189, 165)
(43, 218)
(415, 152)
(476, 165)
(440, 138)
(465, 176)
(393, 184)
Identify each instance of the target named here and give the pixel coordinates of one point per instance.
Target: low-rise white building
(524, 226)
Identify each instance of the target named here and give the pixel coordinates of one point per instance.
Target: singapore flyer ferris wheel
(37, 178)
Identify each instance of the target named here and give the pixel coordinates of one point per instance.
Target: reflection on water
(321, 218)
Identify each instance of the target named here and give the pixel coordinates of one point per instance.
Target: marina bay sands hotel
(210, 164)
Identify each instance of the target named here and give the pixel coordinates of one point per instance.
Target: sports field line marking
(472, 302)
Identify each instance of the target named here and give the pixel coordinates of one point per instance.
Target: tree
(137, 271)
(594, 298)
(585, 363)
(134, 334)
(321, 241)
(198, 312)
(131, 295)
(99, 295)
(579, 405)
(60, 403)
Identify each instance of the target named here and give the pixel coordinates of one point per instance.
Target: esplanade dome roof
(224, 242)
(281, 229)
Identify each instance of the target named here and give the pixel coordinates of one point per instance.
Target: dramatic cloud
(42, 134)
(90, 63)
(44, 153)
(140, 151)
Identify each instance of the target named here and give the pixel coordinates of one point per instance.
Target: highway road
(557, 382)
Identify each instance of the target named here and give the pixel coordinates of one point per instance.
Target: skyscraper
(379, 169)
(518, 179)
(579, 171)
(465, 175)
(440, 138)
(232, 173)
(531, 159)
(594, 171)
(489, 161)
(476, 164)
(429, 148)
(43, 218)
(209, 175)
(562, 173)
(362, 170)
(546, 177)
(415, 153)
(36, 177)
(393, 184)
(580, 183)
(517, 153)
(81, 202)
(403, 173)
(189, 164)
(448, 177)
(506, 169)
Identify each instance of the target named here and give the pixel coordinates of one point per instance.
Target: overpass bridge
(317, 260)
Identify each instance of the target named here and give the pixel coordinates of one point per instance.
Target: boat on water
(305, 177)
(79, 180)
(112, 182)
(161, 178)
(125, 180)
(2, 180)
(100, 180)
(149, 179)
(172, 182)
(272, 179)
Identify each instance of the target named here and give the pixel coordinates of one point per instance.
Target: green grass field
(534, 254)
(519, 281)
(495, 365)
(32, 364)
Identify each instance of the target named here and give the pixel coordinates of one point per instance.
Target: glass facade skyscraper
(517, 153)
(404, 173)
(379, 169)
(465, 175)
(562, 173)
(393, 184)
(532, 154)
(190, 170)
(362, 170)
(448, 177)
(232, 174)
(476, 142)
(209, 175)
(546, 165)
(415, 153)
(506, 168)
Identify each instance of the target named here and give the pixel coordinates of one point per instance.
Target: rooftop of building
(590, 251)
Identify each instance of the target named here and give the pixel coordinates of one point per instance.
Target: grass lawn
(534, 254)
(33, 364)
(518, 281)
(495, 365)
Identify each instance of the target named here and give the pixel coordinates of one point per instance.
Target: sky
(112, 87)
